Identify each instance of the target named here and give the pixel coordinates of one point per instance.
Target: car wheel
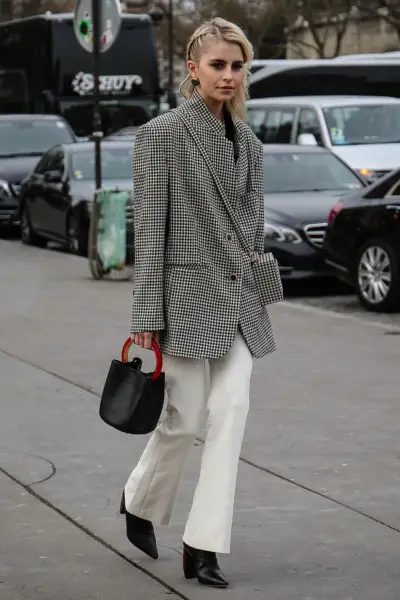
(377, 278)
(76, 236)
(28, 235)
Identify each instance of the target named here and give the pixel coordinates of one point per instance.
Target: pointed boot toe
(140, 532)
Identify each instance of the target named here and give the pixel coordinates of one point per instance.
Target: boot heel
(189, 567)
(122, 509)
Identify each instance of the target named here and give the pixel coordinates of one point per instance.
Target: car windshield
(116, 163)
(363, 124)
(306, 172)
(19, 137)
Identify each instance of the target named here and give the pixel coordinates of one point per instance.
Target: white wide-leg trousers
(151, 488)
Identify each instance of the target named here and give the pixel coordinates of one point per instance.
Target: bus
(342, 76)
(43, 69)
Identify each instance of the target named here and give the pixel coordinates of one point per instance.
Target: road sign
(109, 26)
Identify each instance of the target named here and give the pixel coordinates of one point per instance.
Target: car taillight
(335, 211)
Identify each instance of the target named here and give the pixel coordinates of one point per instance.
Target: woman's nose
(228, 75)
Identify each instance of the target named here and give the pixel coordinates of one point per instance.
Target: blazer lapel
(212, 134)
(242, 164)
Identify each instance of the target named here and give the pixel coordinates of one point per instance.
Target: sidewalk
(317, 512)
(45, 557)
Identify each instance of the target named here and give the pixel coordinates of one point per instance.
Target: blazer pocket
(267, 279)
(189, 266)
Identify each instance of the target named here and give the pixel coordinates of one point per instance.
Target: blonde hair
(220, 30)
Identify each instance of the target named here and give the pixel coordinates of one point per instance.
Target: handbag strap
(218, 184)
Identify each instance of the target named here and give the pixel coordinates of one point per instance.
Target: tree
(255, 17)
(316, 26)
(386, 10)
(12, 9)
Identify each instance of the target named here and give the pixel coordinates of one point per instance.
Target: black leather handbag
(132, 401)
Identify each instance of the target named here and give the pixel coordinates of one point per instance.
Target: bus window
(13, 92)
(361, 79)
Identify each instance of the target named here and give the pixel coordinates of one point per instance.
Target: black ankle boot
(203, 565)
(139, 532)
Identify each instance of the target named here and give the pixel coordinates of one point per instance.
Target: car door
(392, 216)
(33, 191)
(54, 194)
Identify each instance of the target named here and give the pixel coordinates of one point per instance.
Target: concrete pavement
(318, 499)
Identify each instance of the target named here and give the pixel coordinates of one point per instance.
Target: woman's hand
(145, 338)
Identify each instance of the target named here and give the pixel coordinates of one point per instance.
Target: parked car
(57, 198)
(23, 139)
(127, 133)
(300, 184)
(364, 131)
(362, 243)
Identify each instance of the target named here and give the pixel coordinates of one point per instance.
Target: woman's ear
(192, 69)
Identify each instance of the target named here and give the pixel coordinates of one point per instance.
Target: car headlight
(367, 173)
(5, 188)
(280, 233)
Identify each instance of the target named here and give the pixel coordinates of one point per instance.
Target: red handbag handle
(157, 352)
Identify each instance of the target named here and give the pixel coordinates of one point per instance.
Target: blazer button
(229, 237)
(233, 277)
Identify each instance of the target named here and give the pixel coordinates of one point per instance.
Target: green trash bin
(111, 235)
(108, 237)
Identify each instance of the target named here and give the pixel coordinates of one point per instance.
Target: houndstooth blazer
(192, 278)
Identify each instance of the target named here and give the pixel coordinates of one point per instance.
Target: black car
(57, 199)
(23, 139)
(362, 243)
(300, 186)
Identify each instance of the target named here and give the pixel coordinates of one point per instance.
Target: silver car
(364, 131)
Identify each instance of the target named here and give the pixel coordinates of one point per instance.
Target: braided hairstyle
(220, 30)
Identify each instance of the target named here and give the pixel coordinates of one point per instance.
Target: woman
(197, 294)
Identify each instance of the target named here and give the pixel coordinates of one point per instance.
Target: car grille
(129, 212)
(315, 233)
(15, 188)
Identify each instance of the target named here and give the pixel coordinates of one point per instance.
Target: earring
(195, 82)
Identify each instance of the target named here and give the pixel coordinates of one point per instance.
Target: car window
(308, 123)
(32, 137)
(363, 124)
(395, 191)
(306, 172)
(276, 125)
(116, 163)
(255, 119)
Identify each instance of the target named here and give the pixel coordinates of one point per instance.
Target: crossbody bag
(264, 265)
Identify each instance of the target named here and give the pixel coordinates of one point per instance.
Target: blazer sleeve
(259, 186)
(150, 205)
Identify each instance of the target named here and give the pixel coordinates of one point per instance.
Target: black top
(230, 132)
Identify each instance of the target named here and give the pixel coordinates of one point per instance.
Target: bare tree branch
(385, 10)
(11, 9)
(323, 20)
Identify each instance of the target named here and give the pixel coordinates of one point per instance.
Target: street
(318, 495)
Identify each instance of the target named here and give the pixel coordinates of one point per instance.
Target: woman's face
(220, 70)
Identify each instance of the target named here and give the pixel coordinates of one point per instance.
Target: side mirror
(307, 139)
(157, 15)
(53, 176)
